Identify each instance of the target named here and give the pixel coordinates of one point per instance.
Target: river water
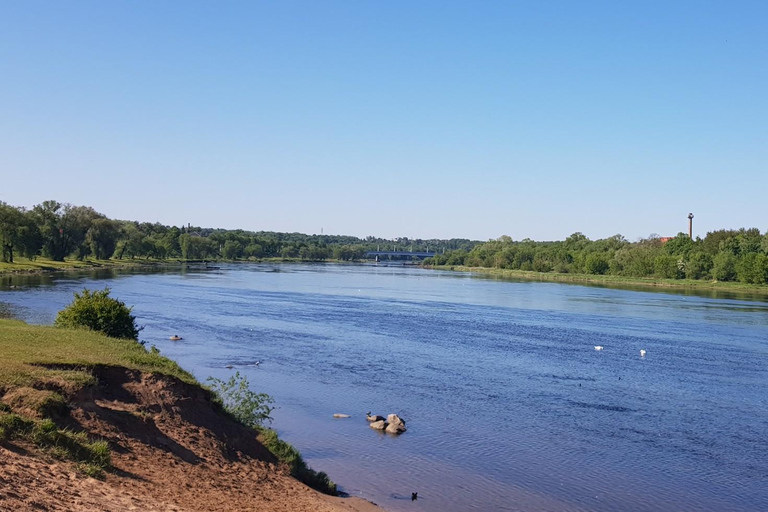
(507, 402)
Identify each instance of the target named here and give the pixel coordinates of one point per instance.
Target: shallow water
(508, 405)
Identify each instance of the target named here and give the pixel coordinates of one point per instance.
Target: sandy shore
(172, 450)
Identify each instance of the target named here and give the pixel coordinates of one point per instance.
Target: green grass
(24, 265)
(41, 365)
(617, 281)
(92, 457)
(46, 357)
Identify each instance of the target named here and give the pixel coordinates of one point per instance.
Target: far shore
(23, 266)
(615, 281)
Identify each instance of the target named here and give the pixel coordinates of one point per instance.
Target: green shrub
(724, 267)
(249, 408)
(668, 267)
(596, 263)
(290, 456)
(99, 312)
(253, 410)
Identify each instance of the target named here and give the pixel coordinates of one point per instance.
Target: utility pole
(690, 226)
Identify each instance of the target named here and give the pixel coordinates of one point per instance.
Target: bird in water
(373, 418)
(642, 352)
(598, 347)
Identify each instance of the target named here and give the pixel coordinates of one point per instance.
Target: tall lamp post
(690, 226)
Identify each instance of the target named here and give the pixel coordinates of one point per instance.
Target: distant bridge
(398, 254)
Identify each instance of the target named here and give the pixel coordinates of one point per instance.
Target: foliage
(724, 255)
(596, 263)
(93, 457)
(59, 230)
(98, 311)
(290, 456)
(253, 410)
(724, 266)
(249, 408)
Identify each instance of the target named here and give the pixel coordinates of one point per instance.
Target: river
(507, 402)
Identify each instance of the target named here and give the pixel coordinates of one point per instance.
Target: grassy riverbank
(615, 281)
(111, 408)
(44, 265)
(43, 367)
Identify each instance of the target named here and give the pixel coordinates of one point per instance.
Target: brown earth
(172, 450)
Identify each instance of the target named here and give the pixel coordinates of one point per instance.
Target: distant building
(665, 239)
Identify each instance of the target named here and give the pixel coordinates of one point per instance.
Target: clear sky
(415, 118)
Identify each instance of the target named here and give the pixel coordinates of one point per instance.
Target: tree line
(722, 255)
(60, 230)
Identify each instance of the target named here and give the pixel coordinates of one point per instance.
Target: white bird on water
(598, 347)
(642, 352)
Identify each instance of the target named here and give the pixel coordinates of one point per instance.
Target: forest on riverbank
(59, 230)
(723, 255)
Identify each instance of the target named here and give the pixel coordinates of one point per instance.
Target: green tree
(752, 268)
(681, 245)
(596, 263)
(232, 250)
(668, 267)
(99, 312)
(724, 267)
(102, 238)
(698, 265)
(11, 222)
(48, 219)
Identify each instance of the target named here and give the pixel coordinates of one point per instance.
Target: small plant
(287, 454)
(97, 311)
(249, 408)
(13, 426)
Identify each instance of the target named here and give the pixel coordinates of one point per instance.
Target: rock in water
(337, 415)
(378, 425)
(395, 425)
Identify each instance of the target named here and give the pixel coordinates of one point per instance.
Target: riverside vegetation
(51, 231)
(55, 231)
(725, 256)
(44, 368)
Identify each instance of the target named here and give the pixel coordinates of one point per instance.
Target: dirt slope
(172, 450)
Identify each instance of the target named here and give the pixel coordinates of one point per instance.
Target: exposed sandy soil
(172, 450)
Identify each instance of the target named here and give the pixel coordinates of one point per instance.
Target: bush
(668, 267)
(289, 455)
(724, 268)
(596, 263)
(99, 312)
(249, 408)
(698, 265)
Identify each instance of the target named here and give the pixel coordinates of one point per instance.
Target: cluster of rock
(393, 424)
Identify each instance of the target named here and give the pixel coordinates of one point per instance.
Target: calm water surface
(508, 405)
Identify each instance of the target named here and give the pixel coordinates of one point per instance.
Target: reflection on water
(508, 405)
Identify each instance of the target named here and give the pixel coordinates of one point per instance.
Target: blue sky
(419, 119)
